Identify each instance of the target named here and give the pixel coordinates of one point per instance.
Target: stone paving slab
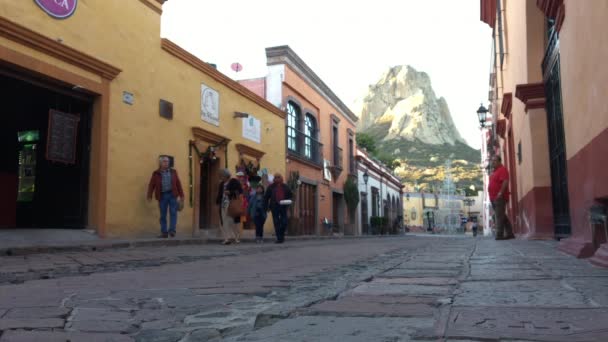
(30, 323)
(332, 329)
(56, 336)
(371, 306)
(506, 274)
(416, 281)
(595, 289)
(388, 289)
(530, 293)
(411, 273)
(568, 325)
(430, 265)
(50, 312)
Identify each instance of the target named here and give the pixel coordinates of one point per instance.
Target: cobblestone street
(413, 288)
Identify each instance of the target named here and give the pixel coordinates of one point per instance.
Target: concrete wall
(583, 49)
(584, 81)
(125, 34)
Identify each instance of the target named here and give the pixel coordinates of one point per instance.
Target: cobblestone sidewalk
(387, 289)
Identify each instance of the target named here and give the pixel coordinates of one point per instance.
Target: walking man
(167, 189)
(499, 195)
(276, 193)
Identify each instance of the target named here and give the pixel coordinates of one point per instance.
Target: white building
(380, 193)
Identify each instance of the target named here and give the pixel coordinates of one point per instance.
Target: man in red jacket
(167, 189)
(499, 196)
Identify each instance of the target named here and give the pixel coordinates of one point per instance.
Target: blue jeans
(279, 218)
(168, 201)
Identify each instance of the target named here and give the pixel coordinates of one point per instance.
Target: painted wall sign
(60, 9)
(251, 129)
(210, 105)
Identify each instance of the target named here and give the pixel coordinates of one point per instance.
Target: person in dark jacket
(167, 189)
(257, 212)
(276, 193)
(229, 189)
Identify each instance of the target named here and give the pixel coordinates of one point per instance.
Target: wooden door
(306, 209)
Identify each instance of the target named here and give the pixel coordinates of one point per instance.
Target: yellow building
(95, 98)
(413, 213)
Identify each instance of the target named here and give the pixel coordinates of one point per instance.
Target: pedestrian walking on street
(229, 198)
(277, 199)
(257, 212)
(499, 196)
(167, 189)
(474, 227)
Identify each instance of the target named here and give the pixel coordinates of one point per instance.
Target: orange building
(320, 131)
(547, 94)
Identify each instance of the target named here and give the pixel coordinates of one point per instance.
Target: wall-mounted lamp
(240, 115)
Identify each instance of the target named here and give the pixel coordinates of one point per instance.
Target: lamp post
(482, 115)
(365, 180)
(469, 202)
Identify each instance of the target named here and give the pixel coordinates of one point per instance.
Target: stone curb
(123, 244)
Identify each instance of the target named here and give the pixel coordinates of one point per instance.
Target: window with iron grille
(293, 118)
(310, 132)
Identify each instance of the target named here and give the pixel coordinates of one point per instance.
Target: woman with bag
(230, 202)
(257, 212)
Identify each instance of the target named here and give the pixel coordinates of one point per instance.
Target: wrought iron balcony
(304, 147)
(338, 165)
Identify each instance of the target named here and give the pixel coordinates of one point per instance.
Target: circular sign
(60, 9)
(236, 67)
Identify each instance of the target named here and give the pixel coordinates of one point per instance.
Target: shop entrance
(209, 216)
(43, 181)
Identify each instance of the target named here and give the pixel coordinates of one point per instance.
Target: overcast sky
(349, 44)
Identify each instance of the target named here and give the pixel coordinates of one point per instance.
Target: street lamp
(482, 115)
(365, 180)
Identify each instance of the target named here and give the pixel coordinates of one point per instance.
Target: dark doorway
(338, 213)
(209, 182)
(364, 214)
(37, 192)
(557, 141)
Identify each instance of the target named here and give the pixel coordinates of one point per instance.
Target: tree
(351, 195)
(389, 161)
(367, 142)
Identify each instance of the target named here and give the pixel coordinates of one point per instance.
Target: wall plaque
(251, 129)
(59, 9)
(61, 138)
(210, 105)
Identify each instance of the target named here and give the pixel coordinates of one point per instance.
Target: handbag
(235, 207)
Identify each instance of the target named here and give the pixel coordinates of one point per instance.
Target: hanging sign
(59, 9)
(61, 139)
